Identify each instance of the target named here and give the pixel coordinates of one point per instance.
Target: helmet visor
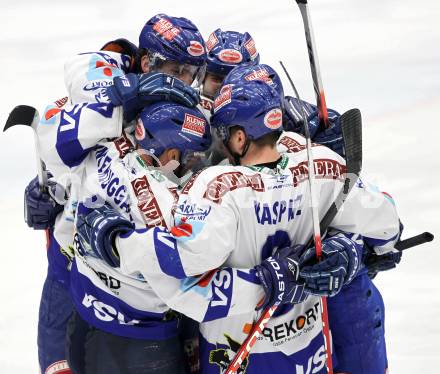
(185, 72)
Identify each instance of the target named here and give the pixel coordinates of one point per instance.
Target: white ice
(380, 56)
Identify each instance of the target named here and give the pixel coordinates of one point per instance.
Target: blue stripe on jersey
(68, 146)
(372, 242)
(108, 313)
(250, 276)
(167, 254)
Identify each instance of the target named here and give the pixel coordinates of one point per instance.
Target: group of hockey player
(184, 212)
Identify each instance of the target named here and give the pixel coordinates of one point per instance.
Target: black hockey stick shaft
(314, 63)
(414, 241)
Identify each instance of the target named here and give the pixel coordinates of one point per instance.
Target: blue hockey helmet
(174, 38)
(253, 105)
(166, 125)
(261, 72)
(228, 49)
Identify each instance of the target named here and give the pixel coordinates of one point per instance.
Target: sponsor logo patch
(61, 102)
(140, 130)
(223, 98)
(273, 119)
(147, 203)
(325, 168)
(212, 42)
(166, 29)
(59, 367)
(190, 183)
(230, 56)
(250, 47)
(194, 125)
(195, 48)
(123, 145)
(259, 75)
(222, 184)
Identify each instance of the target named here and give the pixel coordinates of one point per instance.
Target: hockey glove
(279, 276)
(134, 92)
(293, 121)
(376, 259)
(40, 210)
(97, 231)
(376, 263)
(341, 261)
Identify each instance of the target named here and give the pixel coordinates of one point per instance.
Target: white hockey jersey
(69, 128)
(234, 217)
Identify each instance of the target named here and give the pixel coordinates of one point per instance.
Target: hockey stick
(414, 241)
(314, 64)
(28, 116)
(351, 125)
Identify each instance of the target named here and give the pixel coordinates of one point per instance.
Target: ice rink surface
(380, 56)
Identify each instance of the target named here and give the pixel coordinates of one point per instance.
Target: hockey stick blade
(414, 241)
(26, 115)
(22, 115)
(351, 124)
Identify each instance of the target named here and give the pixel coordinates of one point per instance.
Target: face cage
(158, 61)
(193, 161)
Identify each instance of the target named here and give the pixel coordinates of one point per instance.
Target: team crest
(223, 356)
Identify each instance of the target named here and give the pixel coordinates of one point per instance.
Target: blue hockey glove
(97, 231)
(40, 210)
(279, 276)
(134, 92)
(293, 121)
(341, 261)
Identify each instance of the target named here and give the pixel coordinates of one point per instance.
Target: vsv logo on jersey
(105, 312)
(221, 287)
(315, 363)
(274, 213)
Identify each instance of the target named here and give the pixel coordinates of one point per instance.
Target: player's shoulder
(104, 61)
(199, 181)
